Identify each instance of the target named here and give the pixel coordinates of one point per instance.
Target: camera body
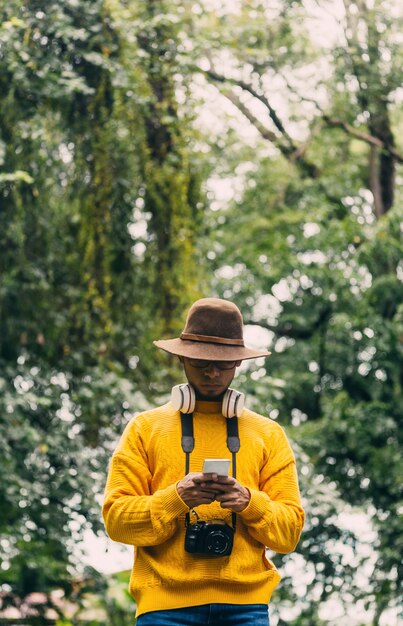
(212, 538)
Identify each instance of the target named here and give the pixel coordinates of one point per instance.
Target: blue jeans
(209, 615)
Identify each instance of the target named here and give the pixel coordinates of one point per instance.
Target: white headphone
(183, 398)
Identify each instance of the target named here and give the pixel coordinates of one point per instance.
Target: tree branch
(370, 139)
(263, 130)
(259, 96)
(291, 152)
(287, 329)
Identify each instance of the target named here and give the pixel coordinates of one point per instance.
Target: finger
(223, 498)
(207, 492)
(204, 501)
(226, 480)
(205, 486)
(204, 490)
(220, 488)
(205, 478)
(227, 504)
(200, 475)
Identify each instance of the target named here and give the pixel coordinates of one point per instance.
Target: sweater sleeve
(274, 515)
(132, 514)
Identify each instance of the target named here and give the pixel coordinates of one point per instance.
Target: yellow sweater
(143, 508)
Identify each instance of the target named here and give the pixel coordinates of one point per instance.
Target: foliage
(326, 289)
(311, 246)
(75, 347)
(51, 495)
(105, 238)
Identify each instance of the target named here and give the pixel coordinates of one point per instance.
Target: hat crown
(214, 319)
(213, 332)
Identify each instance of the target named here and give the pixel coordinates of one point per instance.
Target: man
(214, 571)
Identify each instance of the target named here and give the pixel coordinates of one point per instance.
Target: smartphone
(216, 466)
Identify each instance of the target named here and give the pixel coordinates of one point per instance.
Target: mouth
(210, 386)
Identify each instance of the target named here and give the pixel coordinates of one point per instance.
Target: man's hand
(228, 491)
(194, 490)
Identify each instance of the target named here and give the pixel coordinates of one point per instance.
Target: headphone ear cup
(232, 403)
(183, 398)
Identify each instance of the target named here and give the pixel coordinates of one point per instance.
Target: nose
(212, 370)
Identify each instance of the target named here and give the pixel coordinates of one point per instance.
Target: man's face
(210, 379)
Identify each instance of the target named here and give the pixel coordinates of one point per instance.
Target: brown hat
(214, 332)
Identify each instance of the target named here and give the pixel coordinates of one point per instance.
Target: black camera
(213, 538)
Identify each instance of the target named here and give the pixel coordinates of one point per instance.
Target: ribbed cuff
(257, 507)
(171, 502)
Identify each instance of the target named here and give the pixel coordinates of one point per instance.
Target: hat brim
(208, 351)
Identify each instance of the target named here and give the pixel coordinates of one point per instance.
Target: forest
(157, 151)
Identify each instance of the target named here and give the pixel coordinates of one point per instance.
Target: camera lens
(217, 542)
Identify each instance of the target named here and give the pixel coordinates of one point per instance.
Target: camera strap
(188, 443)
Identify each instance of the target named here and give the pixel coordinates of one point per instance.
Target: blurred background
(157, 151)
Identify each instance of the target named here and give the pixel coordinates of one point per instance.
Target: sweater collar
(204, 406)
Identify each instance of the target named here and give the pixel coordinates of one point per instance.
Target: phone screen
(216, 466)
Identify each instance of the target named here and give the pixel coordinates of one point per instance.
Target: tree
(311, 245)
(169, 179)
(105, 239)
(77, 302)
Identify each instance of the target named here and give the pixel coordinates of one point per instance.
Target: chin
(209, 396)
